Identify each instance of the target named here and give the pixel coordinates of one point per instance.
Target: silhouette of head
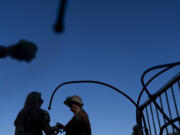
(73, 100)
(33, 100)
(74, 103)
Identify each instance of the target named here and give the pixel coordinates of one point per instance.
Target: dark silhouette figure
(32, 120)
(59, 26)
(137, 131)
(79, 124)
(22, 51)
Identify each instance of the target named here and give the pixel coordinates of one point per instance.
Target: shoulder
(44, 115)
(82, 115)
(44, 112)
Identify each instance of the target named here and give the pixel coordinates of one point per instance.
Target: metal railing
(159, 114)
(160, 109)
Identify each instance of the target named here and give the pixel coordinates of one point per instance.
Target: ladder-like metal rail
(161, 108)
(159, 114)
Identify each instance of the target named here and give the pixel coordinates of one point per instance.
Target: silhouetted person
(79, 124)
(137, 131)
(32, 120)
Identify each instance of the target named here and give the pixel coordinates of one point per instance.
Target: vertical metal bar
(178, 84)
(153, 120)
(145, 127)
(167, 132)
(148, 121)
(169, 109)
(175, 104)
(157, 114)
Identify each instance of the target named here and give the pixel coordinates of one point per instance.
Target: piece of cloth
(79, 124)
(33, 123)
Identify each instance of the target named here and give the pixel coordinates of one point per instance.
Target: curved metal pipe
(169, 66)
(90, 81)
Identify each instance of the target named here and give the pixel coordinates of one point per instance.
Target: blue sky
(109, 41)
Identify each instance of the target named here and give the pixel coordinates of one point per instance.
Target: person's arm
(48, 129)
(80, 120)
(69, 125)
(46, 124)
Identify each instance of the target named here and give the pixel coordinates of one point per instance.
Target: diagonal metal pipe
(59, 25)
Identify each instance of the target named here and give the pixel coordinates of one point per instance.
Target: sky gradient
(109, 41)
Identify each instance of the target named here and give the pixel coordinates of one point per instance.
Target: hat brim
(69, 103)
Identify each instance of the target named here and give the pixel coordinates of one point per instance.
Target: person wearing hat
(79, 124)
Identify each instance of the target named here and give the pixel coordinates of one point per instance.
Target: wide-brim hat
(73, 100)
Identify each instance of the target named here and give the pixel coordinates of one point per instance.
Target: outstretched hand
(59, 125)
(56, 130)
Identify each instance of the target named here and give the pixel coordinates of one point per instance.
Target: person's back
(32, 120)
(78, 125)
(33, 124)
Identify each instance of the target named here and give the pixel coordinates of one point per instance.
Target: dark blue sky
(109, 41)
